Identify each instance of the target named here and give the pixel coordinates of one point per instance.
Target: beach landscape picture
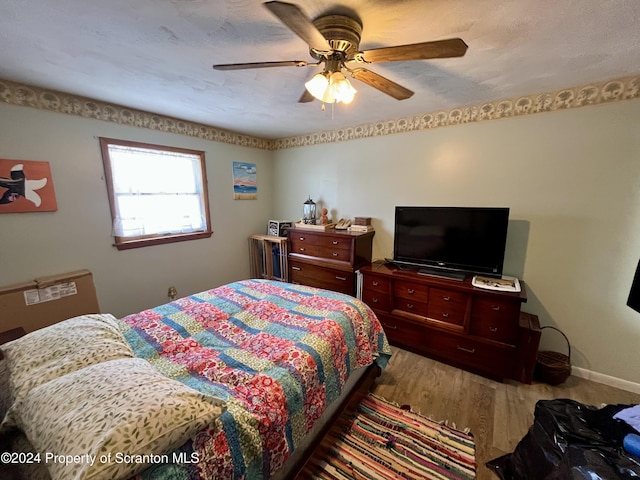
(245, 186)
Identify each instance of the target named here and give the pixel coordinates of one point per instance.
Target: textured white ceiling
(157, 55)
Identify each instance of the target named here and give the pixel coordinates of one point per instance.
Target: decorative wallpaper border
(28, 96)
(604, 92)
(593, 94)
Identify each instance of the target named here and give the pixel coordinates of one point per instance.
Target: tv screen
(458, 239)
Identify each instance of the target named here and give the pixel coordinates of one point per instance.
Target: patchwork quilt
(277, 353)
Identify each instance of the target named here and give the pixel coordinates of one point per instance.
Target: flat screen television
(452, 241)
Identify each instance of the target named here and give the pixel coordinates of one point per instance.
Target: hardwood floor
(498, 414)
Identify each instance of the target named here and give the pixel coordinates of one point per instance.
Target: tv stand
(479, 330)
(434, 272)
(426, 270)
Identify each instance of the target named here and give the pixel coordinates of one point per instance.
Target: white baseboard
(606, 379)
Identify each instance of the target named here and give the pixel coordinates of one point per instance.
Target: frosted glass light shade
(342, 90)
(331, 88)
(317, 85)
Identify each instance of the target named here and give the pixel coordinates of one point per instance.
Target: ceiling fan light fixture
(331, 88)
(333, 41)
(342, 89)
(317, 85)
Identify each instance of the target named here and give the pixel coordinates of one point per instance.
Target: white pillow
(62, 348)
(110, 412)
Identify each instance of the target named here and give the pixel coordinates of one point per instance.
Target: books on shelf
(503, 284)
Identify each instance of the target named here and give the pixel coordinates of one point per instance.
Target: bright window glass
(156, 193)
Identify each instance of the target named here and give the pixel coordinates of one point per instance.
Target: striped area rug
(385, 442)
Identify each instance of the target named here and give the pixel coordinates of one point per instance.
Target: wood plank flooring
(498, 414)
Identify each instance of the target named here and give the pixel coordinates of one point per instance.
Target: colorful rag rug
(385, 442)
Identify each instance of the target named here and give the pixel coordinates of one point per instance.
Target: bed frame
(344, 410)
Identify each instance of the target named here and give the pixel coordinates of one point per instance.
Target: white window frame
(134, 231)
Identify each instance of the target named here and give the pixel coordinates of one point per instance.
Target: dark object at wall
(570, 440)
(634, 294)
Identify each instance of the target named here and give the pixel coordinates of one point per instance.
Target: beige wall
(78, 235)
(571, 179)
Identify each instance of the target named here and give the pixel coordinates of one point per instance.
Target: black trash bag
(569, 440)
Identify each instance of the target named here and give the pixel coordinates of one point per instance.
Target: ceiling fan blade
(453, 47)
(306, 97)
(244, 66)
(300, 24)
(381, 83)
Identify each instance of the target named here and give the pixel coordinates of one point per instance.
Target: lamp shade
(317, 85)
(341, 88)
(331, 88)
(309, 212)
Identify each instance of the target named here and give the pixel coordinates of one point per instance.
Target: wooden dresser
(479, 330)
(328, 259)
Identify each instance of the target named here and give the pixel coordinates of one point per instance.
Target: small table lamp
(309, 212)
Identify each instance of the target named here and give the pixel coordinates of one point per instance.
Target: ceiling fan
(334, 41)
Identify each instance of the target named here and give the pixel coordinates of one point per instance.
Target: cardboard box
(47, 300)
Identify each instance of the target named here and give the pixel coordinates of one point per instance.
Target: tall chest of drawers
(328, 259)
(482, 331)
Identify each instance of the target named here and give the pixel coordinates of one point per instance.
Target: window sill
(147, 242)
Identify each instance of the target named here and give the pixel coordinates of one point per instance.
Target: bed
(241, 376)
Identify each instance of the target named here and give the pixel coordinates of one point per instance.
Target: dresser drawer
(447, 306)
(410, 306)
(410, 291)
(402, 333)
(321, 277)
(376, 284)
(301, 239)
(377, 300)
(340, 255)
(495, 320)
(474, 354)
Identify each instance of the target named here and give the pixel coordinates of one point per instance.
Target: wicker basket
(554, 367)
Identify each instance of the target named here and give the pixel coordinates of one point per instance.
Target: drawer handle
(409, 306)
(335, 242)
(493, 329)
(301, 249)
(375, 284)
(295, 268)
(335, 254)
(374, 300)
(446, 299)
(341, 278)
(468, 350)
(390, 327)
(445, 314)
(411, 291)
(302, 238)
(495, 308)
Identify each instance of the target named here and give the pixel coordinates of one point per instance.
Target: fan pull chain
(333, 106)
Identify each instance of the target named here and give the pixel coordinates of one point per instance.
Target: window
(157, 194)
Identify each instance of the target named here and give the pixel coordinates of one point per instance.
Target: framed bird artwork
(26, 186)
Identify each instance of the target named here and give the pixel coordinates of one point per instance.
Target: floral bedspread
(278, 353)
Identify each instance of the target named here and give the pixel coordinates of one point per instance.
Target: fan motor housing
(342, 32)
